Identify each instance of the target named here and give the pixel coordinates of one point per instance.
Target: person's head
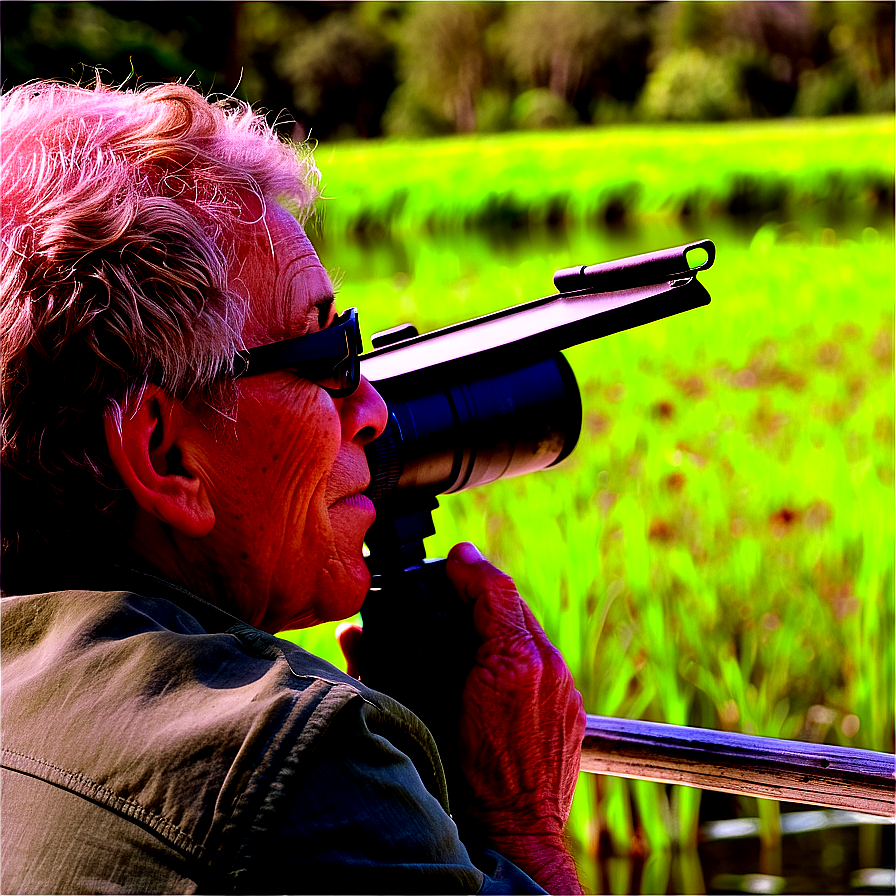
(144, 243)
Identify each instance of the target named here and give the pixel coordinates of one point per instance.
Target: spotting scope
(469, 404)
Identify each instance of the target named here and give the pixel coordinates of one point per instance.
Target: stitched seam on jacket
(398, 719)
(89, 789)
(283, 649)
(289, 751)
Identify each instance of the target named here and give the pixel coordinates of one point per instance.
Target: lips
(357, 499)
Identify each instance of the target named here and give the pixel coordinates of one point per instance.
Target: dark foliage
(351, 69)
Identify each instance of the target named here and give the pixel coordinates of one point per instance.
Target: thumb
(349, 637)
(471, 574)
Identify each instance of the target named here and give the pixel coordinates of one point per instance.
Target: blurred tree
(331, 65)
(771, 41)
(581, 51)
(555, 45)
(691, 85)
(541, 108)
(856, 59)
(261, 29)
(445, 64)
(813, 58)
(863, 32)
(342, 73)
(758, 47)
(224, 47)
(158, 41)
(493, 110)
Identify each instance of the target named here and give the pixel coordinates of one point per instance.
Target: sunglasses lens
(346, 372)
(338, 382)
(350, 375)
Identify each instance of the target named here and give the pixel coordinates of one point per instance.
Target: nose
(364, 414)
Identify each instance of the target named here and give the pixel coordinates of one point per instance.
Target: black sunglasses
(328, 358)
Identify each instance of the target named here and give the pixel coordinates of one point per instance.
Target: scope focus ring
(385, 470)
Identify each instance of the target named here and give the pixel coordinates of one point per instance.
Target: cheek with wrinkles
(277, 459)
(299, 430)
(296, 492)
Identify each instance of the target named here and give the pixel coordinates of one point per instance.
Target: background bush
(347, 70)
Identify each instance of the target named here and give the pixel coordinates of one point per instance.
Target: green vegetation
(358, 70)
(718, 550)
(822, 167)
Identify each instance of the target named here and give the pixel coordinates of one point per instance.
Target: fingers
(522, 720)
(349, 638)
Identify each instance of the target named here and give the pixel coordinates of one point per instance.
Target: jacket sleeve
(354, 816)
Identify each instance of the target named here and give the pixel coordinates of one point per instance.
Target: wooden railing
(836, 777)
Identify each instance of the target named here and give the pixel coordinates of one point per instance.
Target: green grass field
(590, 174)
(718, 551)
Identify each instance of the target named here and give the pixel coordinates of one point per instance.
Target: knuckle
(488, 580)
(556, 665)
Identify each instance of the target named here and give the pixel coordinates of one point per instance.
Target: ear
(154, 456)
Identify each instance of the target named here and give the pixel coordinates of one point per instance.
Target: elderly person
(174, 494)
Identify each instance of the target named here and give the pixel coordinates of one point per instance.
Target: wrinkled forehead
(277, 268)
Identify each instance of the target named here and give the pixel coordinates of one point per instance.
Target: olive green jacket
(153, 744)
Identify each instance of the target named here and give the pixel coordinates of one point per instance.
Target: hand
(521, 726)
(348, 636)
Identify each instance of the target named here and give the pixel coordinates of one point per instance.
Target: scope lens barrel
(470, 433)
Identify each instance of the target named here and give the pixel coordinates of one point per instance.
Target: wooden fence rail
(836, 777)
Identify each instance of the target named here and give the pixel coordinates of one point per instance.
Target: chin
(360, 585)
(345, 591)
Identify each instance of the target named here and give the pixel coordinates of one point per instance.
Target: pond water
(822, 851)
(835, 857)
(395, 256)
